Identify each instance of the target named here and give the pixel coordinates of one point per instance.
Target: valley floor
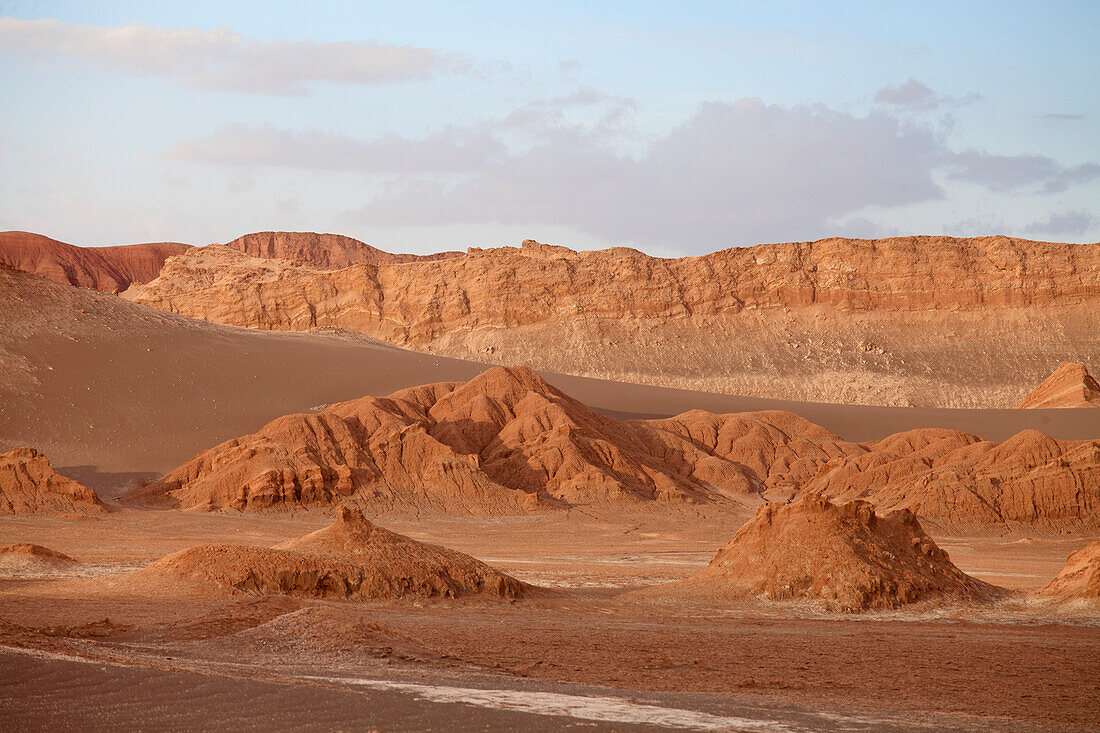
(83, 652)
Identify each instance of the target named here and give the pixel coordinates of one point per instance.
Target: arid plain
(294, 481)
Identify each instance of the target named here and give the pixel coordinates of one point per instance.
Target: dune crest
(844, 555)
(350, 560)
(1070, 385)
(29, 485)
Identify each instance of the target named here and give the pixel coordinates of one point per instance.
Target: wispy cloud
(221, 59)
(915, 95)
(1074, 221)
(1003, 173)
(1064, 116)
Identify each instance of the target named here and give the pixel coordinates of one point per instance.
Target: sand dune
(23, 558)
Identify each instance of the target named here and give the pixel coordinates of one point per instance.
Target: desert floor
(86, 651)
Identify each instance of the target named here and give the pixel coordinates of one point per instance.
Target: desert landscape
(516, 367)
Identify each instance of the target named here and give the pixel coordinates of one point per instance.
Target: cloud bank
(223, 60)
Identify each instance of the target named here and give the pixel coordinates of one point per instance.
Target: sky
(675, 128)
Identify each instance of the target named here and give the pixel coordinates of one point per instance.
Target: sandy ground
(607, 658)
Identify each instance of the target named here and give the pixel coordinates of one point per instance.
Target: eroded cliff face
(109, 269)
(917, 320)
(1070, 385)
(327, 251)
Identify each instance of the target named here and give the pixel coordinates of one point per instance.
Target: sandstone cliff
(1070, 385)
(327, 251)
(845, 556)
(917, 320)
(1079, 579)
(29, 485)
(110, 269)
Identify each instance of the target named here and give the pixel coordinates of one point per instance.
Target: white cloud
(915, 95)
(222, 59)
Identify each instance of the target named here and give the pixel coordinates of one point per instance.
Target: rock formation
(27, 559)
(350, 560)
(845, 556)
(327, 251)
(1070, 385)
(29, 485)
(1079, 579)
(110, 269)
(959, 481)
(916, 320)
(507, 442)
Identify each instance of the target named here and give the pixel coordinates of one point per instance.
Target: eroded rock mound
(29, 485)
(327, 251)
(505, 442)
(110, 269)
(23, 558)
(350, 560)
(1070, 385)
(843, 555)
(960, 481)
(1079, 579)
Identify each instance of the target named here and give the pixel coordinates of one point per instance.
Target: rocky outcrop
(1079, 579)
(29, 485)
(350, 560)
(1070, 385)
(916, 320)
(844, 556)
(110, 269)
(959, 481)
(326, 251)
(505, 442)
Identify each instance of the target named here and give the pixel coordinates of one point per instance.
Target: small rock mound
(843, 555)
(29, 485)
(1070, 385)
(350, 560)
(24, 558)
(1079, 579)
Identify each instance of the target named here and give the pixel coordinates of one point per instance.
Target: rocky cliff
(1070, 385)
(920, 320)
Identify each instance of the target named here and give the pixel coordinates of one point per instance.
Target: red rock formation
(1079, 579)
(916, 320)
(29, 485)
(958, 480)
(1070, 385)
(350, 560)
(327, 251)
(845, 556)
(110, 269)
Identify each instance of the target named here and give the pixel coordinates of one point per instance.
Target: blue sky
(678, 128)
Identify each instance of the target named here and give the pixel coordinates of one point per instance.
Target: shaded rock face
(932, 321)
(845, 555)
(960, 481)
(110, 269)
(327, 251)
(1070, 385)
(350, 560)
(29, 485)
(505, 442)
(1079, 579)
